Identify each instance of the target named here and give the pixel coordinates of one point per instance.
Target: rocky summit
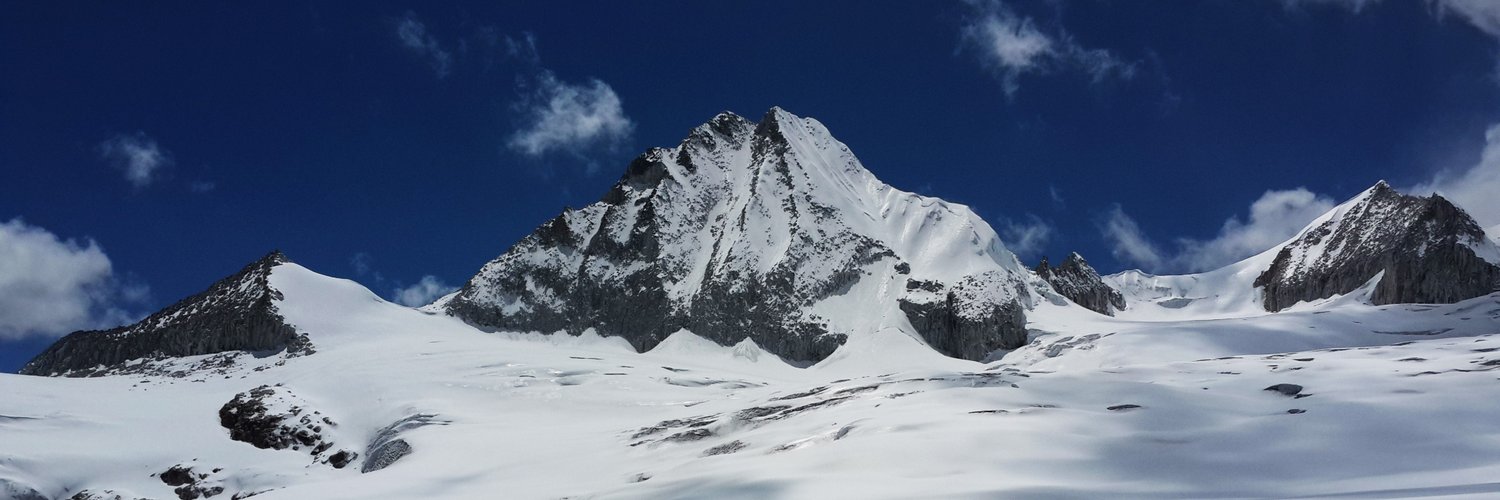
(760, 230)
(1080, 283)
(1422, 249)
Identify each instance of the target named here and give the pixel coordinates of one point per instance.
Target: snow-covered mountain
(1390, 247)
(1423, 249)
(401, 404)
(772, 231)
(751, 314)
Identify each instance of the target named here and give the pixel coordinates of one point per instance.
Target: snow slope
(552, 416)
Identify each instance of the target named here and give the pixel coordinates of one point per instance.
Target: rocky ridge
(236, 313)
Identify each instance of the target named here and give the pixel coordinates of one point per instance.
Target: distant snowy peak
(1079, 282)
(1429, 250)
(237, 313)
(749, 230)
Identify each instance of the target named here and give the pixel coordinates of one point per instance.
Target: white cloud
(1014, 45)
(1483, 14)
(423, 292)
(1275, 217)
(202, 186)
(50, 286)
(1025, 238)
(561, 117)
(137, 155)
(1127, 242)
(414, 36)
(1476, 189)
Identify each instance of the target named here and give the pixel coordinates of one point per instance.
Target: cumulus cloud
(1275, 217)
(1014, 45)
(413, 34)
(137, 155)
(1026, 238)
(556, 116)
(423, 292)
(50, 286)
(1475, 189)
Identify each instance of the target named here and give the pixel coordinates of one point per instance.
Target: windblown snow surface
(1394, 401)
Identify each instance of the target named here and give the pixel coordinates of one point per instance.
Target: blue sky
(149, 149)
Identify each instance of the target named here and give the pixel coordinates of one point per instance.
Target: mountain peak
(1428, 250)
(776, 215)
(274, 258)
(1080, 283)
(236, 313)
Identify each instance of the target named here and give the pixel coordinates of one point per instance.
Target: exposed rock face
(1429, 250)
(742, 231)
(1080, 283)
(275, 418)
(235, 314)
(957, 322)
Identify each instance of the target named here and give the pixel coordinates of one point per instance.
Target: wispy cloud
(1483, 14)
(413, 34)
(137, 155)
(1026, 238)
(50, 286)
(1014, 45)
(1128, 243)
(1275, 217)
(1353, 5)
(557, 116)
(423, 292)
(522, 48)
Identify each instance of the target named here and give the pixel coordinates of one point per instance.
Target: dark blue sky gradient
(325, 137)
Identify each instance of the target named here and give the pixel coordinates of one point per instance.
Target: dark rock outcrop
(189, 484)
(1425, 246)
(736, 233)
(1080, 283)
(272, 417)
(235, 314)
(1286, 389)
(950, 330)
(388, 446)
